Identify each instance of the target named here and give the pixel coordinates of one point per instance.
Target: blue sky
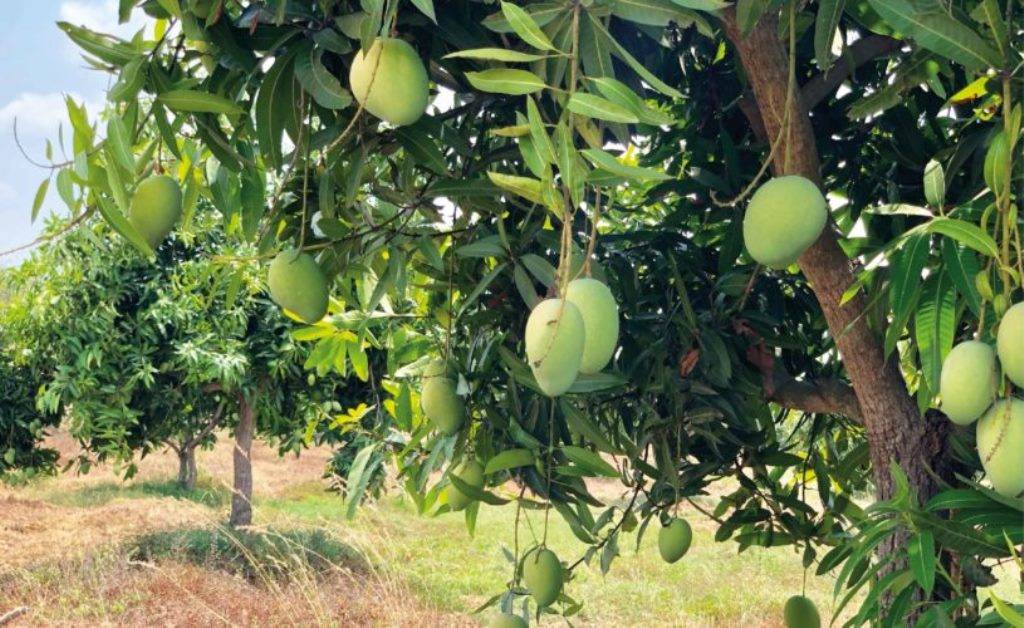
(38, 67)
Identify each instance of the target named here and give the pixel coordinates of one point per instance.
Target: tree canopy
(620, 140)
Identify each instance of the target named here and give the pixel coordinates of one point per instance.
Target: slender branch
(857, 54)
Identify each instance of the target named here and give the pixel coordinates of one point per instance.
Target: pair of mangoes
(577, 334)
(968, 386)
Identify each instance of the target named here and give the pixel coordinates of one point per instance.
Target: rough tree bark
(187, 470)
(896, 431)
(241, 496)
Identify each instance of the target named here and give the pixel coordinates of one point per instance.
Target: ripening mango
(1000, 439)
(969, 381)
(390, 81)
(297, 284)
(800, 612)
(1010, 344)
(155, 208)
(785, 216)
(554, 345)
(542, 575)
(470, 472)
(600, 321)
(674, 540)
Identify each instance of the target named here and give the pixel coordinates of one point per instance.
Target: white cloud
(100, 15)
(38, 113)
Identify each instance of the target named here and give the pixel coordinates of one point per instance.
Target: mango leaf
(542, 14)
(961, 266)
(1007, 612)
(606, 161)
(475, 493)
(702, 5)
(650, 12)
(825, 24)
(530, 189)
(748, 13)
(965, 233)
(525, 26)
(596, 107)
(904, 284)
(121, 225)
(538, 133)
(921, 551)
(935, 328)
(426, 7)
(40, 196)
(505, 81)
(596, 382)
(318, 81)
(934, 28)
(589, 461)
(509, 459)
(480, 287)
(103, 47)
(119, 144)
(359, 477)
(194, 101)
(495, 54)
(273, 97)
(422, 148)
(620, 94)
(934, 184)
(630, 60)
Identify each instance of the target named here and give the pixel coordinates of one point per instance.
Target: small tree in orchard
(669, 242)
(140, 354)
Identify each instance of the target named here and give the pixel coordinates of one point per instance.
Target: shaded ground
(92, 550)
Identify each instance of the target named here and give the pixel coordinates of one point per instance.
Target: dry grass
(91, 550)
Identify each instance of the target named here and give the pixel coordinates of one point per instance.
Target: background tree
(138, 355)
(626, 136)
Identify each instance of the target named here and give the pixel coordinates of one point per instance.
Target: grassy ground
(92, 550)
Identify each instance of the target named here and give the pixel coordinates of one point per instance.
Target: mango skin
(554, 345)
(471, 473)
(800, 612)
(1010, 344)
(785, 216)
(505, 620)
(298, 285)
(1000, 438)
(390, 81)
(441, 405)
(155, 208)
(600, 315)
(542, 575)
(969, 381)
(674, 540)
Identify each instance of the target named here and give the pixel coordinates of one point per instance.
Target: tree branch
(825, 396)
(857, 54)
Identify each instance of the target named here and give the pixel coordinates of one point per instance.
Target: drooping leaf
(195, 101)
(505, 81)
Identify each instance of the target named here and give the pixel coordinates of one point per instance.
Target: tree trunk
(187, 470)
(896, 431)
(241, 496)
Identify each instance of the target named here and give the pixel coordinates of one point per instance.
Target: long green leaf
(825, 24)
(598, 108)
(194, 101)
(933, 27)
(509, 459)
(505, 81)
(525, 26)
(921, 550)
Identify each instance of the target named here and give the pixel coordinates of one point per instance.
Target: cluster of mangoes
(969, 385)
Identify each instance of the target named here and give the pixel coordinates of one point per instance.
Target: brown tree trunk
(241, 496)
(896, 431)
(187, 470)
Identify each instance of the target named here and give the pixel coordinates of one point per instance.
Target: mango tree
(454, 168)
(136, 354)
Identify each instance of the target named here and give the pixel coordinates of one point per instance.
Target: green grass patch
(206, 493)
(256, 555)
